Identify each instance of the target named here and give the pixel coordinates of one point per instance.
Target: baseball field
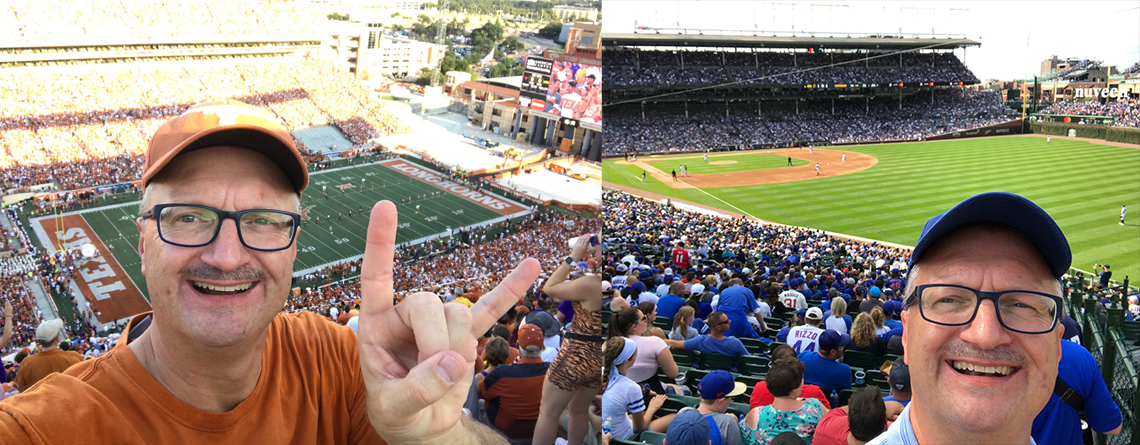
(116, 281)
(887, 192)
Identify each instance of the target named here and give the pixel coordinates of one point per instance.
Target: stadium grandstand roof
(164, 41)
(714, 40)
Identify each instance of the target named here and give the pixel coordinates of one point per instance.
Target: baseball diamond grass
(116, 228)
(1082, 185)
(745, 162)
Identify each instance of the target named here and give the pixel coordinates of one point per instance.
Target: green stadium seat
(774, 323)
(774, 345)
(876, 377)
(625, 442)
(749, 380)
(861, 359)
(664, 323)
(685, 357)
(755, 346)
(738, 408)
(606, 316)
(712, 360)
(753, 365)
(653, 438)
(693, 379)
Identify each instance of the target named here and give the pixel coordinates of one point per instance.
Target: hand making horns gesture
(418, 357)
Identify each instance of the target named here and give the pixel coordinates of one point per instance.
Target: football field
(1081, 184)
(340, 234)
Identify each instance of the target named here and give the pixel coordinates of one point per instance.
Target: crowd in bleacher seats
(87, 128)
(666, 127)
(61, 21)
(1126, 111)
(1135, 68)
(1060, 74)
(633, 68)
(476, 265)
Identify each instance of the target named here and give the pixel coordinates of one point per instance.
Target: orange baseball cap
(531, 338)
(225, 122)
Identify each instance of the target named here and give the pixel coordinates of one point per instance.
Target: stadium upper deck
(662, 66)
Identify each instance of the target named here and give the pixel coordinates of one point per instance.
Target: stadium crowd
(769, 309)
(1126, 111)
(665, 127)
(634, 68)
(88, 128)
(442, 266)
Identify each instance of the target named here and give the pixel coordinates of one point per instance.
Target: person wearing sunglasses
(217, 361)
(981, 323)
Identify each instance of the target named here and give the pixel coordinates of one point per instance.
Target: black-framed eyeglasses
(192, 225)
(1023, 311)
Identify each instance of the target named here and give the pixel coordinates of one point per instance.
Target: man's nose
(227, 251)
(986, 330)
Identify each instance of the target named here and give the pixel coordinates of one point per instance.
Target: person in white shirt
(792, 298)
(806, 337)
(839, 321)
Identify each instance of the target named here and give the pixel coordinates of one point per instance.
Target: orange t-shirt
(37, 366)
(310, 391)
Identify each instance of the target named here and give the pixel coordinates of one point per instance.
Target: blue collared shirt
(902, 433)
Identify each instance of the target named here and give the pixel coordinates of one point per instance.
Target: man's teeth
(237, 288)
(1000, 370)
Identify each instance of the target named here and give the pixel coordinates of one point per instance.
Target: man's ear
(141, 224)
(904, 316)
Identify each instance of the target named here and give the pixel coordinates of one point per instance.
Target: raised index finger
(379, 253)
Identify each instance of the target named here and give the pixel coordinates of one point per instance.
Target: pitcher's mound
(722, 162)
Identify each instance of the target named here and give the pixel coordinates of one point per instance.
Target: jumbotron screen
(573, 91)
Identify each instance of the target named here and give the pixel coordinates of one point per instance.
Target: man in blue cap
(717, 389)
(822, 368)
(872, 300)
(981, 323)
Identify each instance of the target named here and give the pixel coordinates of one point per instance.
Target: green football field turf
(696, 163)
(116, 228)
(1081, 184)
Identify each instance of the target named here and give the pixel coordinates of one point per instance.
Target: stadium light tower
(440, 41)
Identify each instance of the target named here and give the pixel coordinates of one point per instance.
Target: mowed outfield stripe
(1081, 184)
(102, 280)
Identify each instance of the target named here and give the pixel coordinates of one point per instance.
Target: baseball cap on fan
(225, 122)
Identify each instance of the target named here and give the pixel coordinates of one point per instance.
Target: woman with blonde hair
(864, 338)
(839, 321)
(681, 329)
(879, 318)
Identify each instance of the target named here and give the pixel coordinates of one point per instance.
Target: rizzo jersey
(804, 338)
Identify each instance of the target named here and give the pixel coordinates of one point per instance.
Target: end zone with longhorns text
(498, 204)
(101, 279)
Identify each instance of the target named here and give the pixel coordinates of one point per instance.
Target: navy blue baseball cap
(1004, 208)
(638, 287)
(831, 339)
(688, 428)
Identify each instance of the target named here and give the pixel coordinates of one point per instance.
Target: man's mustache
(1002, 354)
(207, 272)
